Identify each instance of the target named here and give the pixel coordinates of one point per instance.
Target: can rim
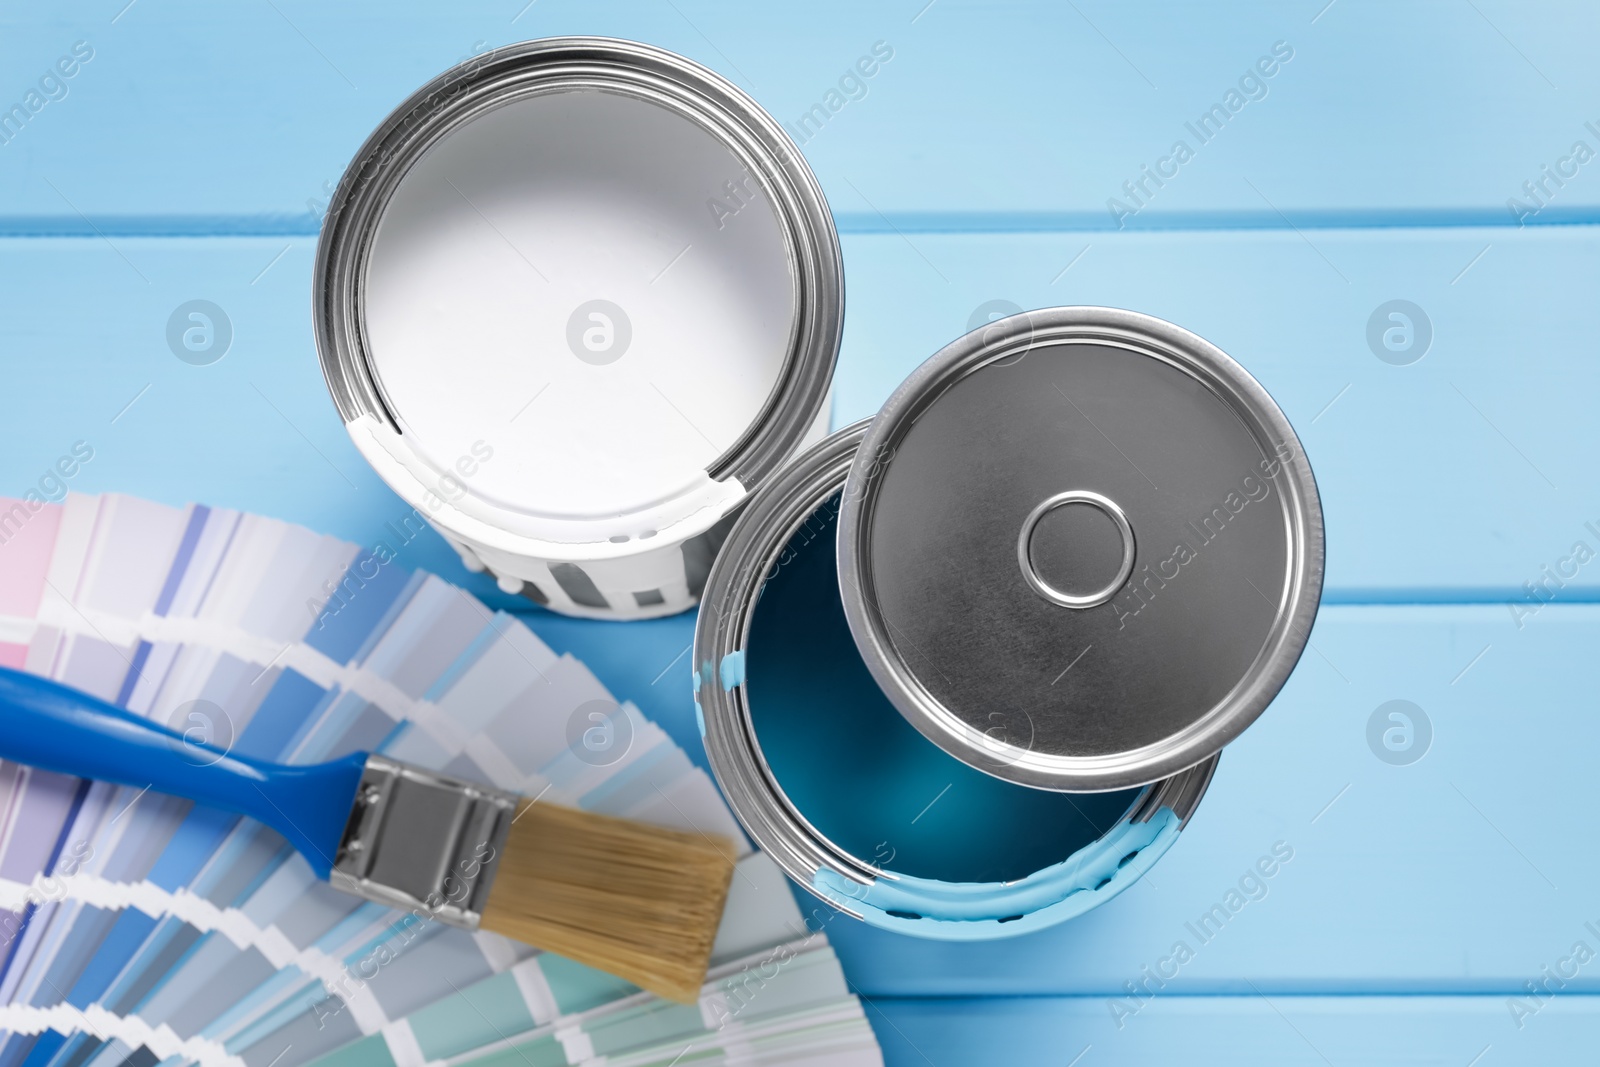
(517, 71)
(1013, 337)
(773, 515)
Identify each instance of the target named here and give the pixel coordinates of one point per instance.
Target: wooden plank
(1468, 470)
(192, 116)
(1249, 1030)
(1462, 476)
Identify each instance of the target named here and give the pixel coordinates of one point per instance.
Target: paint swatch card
(138, 929)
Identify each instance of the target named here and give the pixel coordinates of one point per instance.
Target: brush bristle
(637, 901)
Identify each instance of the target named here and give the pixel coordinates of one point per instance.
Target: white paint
(499, 233)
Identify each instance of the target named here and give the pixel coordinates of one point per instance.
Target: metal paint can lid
(1081, 549)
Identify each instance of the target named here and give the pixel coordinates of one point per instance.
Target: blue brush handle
(49, 725)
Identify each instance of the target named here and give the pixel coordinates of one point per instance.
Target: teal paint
(964, 848)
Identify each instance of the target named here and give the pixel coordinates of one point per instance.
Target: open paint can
(966, 670)
(575, 299)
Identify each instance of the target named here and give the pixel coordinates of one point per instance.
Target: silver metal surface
(560, 64)
(423, 842)
(770, 520)
(1107, 507)
(1219, 502)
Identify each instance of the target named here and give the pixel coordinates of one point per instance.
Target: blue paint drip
(732, 670)
(698, 675)
(975, 911)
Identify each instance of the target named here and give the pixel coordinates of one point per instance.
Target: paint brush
(641, 902)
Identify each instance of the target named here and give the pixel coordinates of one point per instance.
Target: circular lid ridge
(1081, 549)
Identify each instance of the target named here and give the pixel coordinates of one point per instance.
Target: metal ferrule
(424, 842)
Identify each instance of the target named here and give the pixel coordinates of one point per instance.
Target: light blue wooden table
(189, 156)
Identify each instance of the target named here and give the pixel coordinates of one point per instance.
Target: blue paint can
(965, 670)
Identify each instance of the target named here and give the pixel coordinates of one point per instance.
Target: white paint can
(576, 299)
